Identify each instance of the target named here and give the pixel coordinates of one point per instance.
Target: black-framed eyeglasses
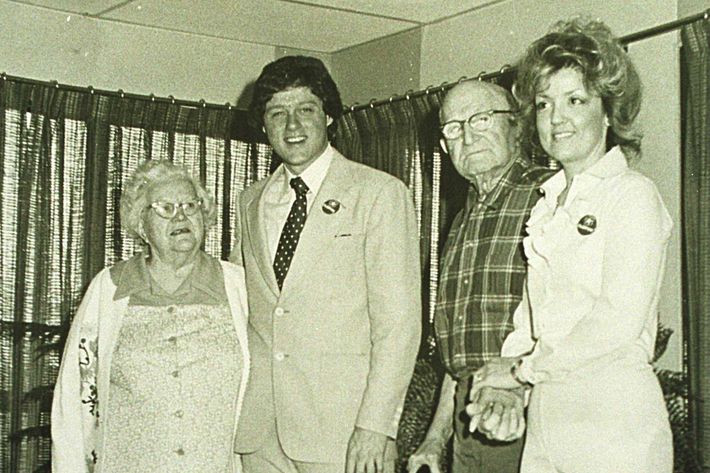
(170, 209)
(479, 121)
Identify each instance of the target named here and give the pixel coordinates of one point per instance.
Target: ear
(442, 142)
(606, 120)
(263, 129)
(328, 120)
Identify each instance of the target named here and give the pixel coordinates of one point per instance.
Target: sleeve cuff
(524, 372)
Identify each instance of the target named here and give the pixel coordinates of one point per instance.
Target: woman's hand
(498, 413)
(497, 373)
(494, 374)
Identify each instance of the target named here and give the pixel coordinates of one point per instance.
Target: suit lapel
(321, 227)
(257, 237)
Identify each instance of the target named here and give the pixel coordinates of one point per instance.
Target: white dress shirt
(279, 196)
(591, 296)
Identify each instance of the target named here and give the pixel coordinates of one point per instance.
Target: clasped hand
(497, 408)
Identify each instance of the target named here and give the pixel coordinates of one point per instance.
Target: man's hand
(495, 374)
(497, 413)
(429, 454)
(366, 452)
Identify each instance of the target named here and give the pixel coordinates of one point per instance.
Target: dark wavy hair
(589, 47)
(289, 72)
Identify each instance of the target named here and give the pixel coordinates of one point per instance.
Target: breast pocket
(580, 252)
(348, 243)
(339, 259)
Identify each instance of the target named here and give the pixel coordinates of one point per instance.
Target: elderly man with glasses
(482, 275)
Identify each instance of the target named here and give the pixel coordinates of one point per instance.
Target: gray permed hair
(135, 192)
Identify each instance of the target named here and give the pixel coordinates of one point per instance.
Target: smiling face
(571, 123)
(297, 127)
(478, 154)
(175, 236)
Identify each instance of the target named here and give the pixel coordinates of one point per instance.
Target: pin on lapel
(587, 225)
(331, 206)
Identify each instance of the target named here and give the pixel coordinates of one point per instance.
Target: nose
(470, 135)
(292, 120)
(557, 115)
(180, 213)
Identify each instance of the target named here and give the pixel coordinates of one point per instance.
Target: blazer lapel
(257, 237)
(321, 227)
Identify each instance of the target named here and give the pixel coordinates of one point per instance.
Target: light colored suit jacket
(335, 349)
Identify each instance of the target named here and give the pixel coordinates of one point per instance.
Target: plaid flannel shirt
(483, 270)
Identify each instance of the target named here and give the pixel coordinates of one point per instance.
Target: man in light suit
(331, 254)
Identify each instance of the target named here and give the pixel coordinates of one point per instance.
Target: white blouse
(595, 266)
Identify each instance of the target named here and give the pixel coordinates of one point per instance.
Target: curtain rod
(119, 93)
(625, 40)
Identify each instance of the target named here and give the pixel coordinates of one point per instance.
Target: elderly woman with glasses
(155, 364)
(596, 245)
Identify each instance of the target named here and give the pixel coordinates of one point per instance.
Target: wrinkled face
(571, 123)
(181, 233)
(297, 127)
(476, 153)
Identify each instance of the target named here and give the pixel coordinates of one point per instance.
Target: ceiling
(316, 25)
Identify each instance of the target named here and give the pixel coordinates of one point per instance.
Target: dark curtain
(64, 156)
(695, 77)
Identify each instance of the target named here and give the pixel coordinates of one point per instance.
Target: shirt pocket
(579, 253)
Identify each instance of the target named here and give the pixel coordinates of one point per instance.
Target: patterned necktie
(291, 231)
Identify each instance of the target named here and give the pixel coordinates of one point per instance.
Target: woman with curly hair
(156, 362)
(596, 246)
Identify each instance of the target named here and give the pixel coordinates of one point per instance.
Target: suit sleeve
(394, 300)
(236, 256)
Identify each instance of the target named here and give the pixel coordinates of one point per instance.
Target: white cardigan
(99, 310)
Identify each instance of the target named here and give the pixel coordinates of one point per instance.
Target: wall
(485, 39)
(379, 69)
(691, 7)
(82, 51)
(658, 62)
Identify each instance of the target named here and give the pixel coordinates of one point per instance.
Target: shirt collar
(135, 277)
(515, 175)
(611, 164)
(315, 173)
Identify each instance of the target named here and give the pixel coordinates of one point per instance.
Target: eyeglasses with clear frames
(170, 209)
(479, 121)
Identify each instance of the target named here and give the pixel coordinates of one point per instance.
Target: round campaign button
(587, 224)
(331, 206)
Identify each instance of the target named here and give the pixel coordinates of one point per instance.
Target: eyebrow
(541, 94)
(310, 102)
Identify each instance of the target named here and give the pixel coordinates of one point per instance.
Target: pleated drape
(695, 78)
